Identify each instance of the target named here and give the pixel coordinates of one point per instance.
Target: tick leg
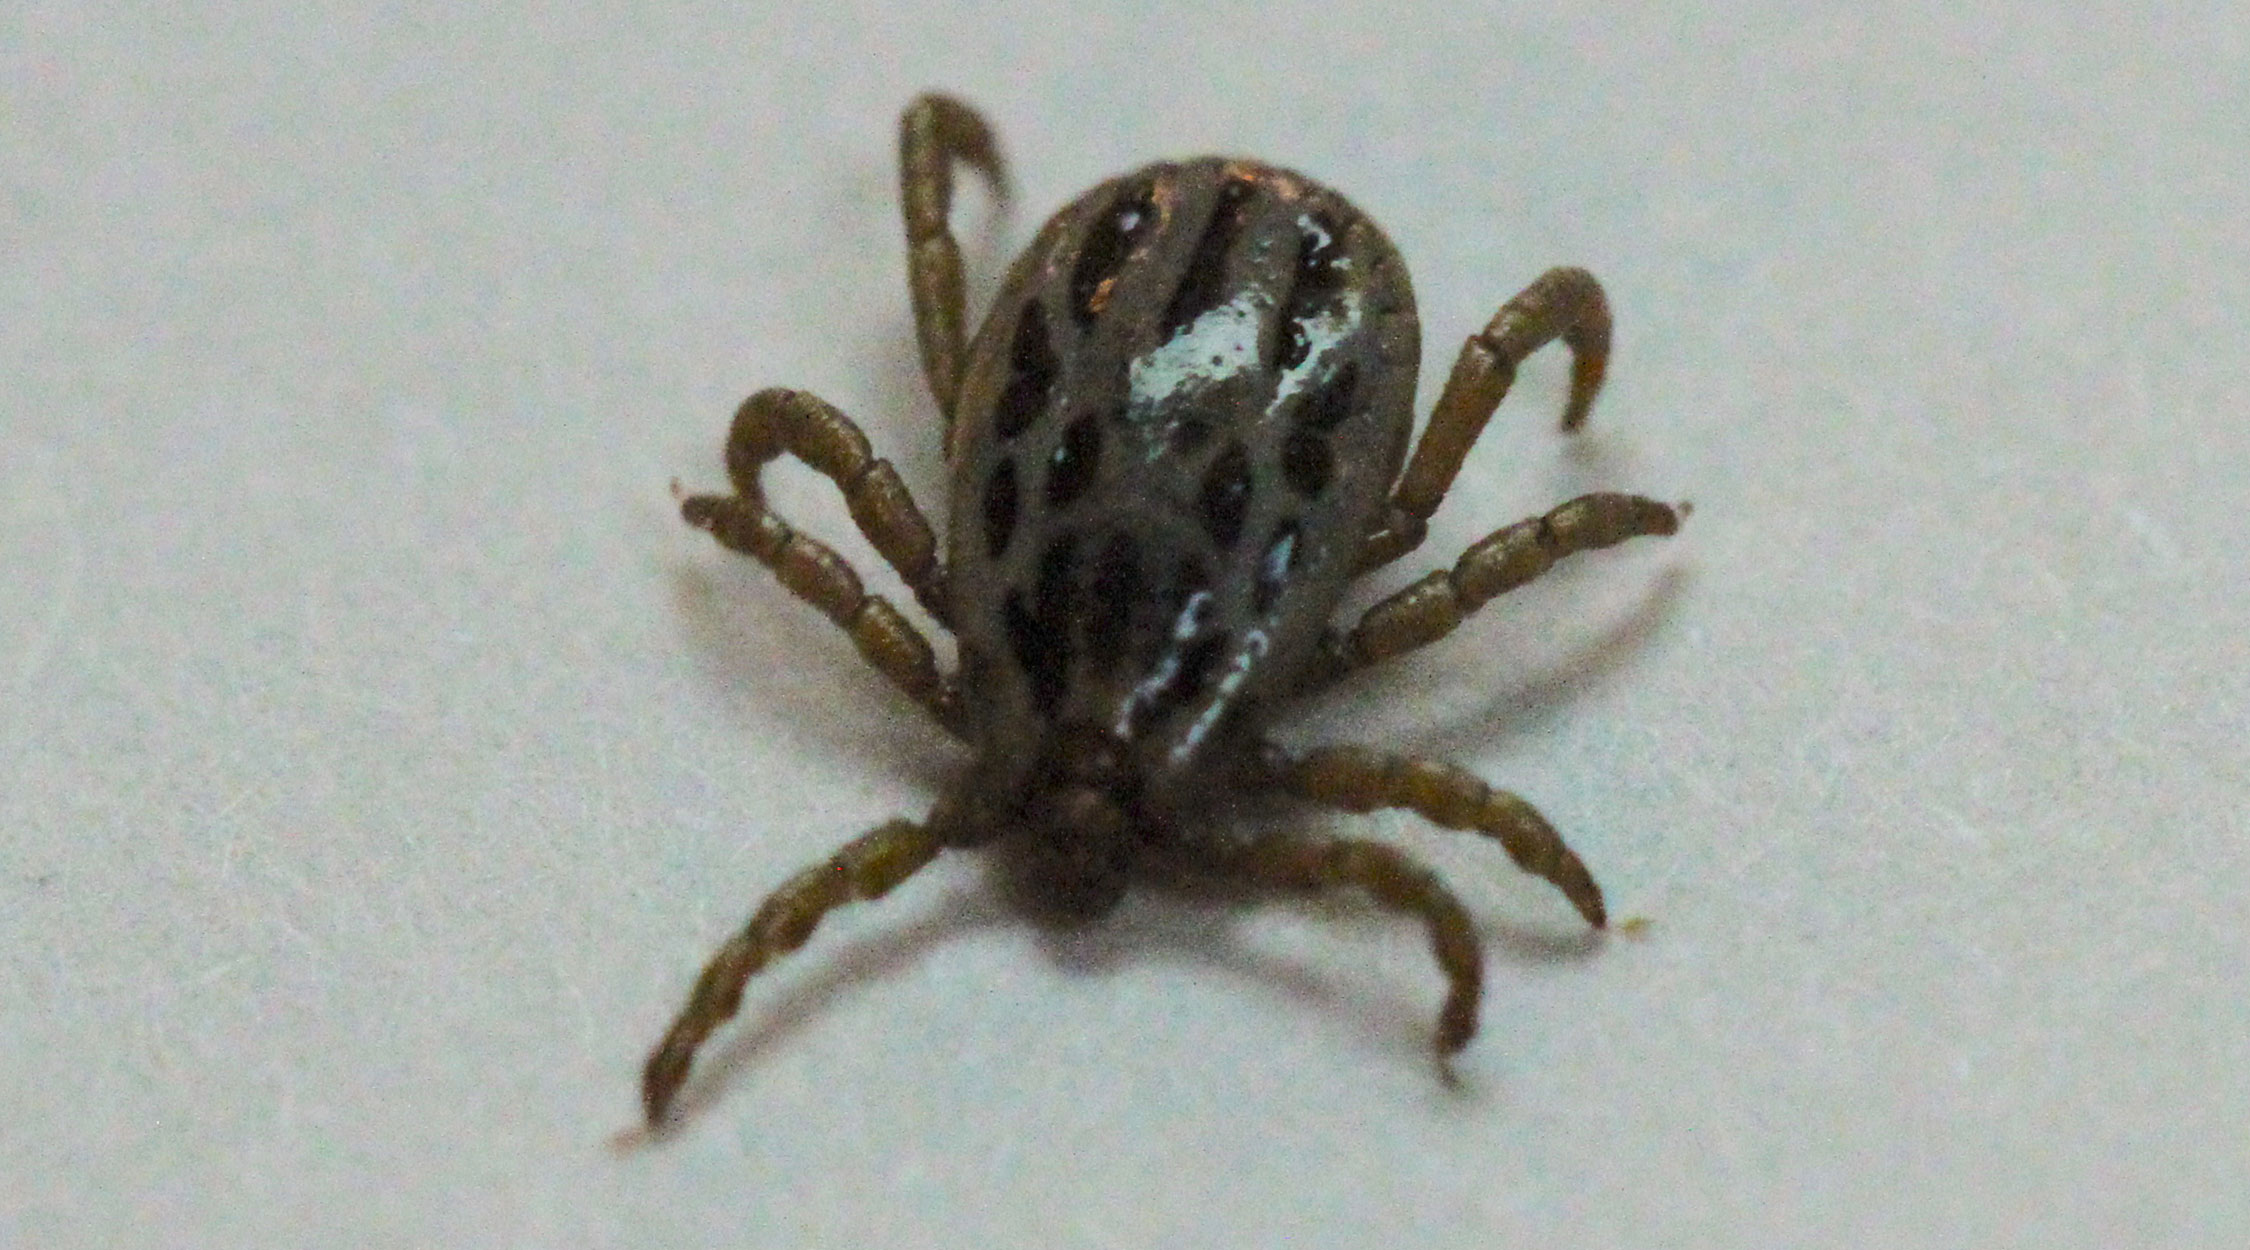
(1564, 303)
(1306, 862)
(773, 422)
(1356, 779)
(867, 867)
(1435, 606)
(936, 131)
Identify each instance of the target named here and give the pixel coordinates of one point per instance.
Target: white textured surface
(380, 756)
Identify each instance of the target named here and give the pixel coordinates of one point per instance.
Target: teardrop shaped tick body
(1180, 434)
(1173, 437)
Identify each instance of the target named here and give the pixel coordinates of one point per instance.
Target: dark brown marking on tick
(1031, 375)
(1000, 505)
(1307, 462)
(1331, 400)
(1224, 499)
(1315, 284)
(1113, 594)
(1108, 245)
(1189, 433)
(1071, 469)
(1039, 633)
(1204, 281)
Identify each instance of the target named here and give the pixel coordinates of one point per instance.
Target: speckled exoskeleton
(1180, 433)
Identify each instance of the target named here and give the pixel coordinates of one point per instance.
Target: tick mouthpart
(1080, 848)
(1085, 756)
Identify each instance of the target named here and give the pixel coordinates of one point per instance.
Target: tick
(1180, 433)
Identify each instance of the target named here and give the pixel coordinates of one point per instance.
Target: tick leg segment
(936, 131)
(867, 867)
(776, 421)
(1356, 779)
(1435, 606)
(1564, 303)
(1394, 881)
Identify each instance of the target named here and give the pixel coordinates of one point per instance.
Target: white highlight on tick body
(1220, 344)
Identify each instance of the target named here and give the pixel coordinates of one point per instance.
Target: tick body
(1181, 432)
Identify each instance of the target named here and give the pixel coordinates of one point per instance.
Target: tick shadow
(761, 648)
(1191, 922)
(1533, 701)
(1199, 923)
(850, 967)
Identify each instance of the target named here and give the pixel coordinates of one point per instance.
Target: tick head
(1077, 825)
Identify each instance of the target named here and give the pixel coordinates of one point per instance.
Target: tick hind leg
(935, 132)
(1355, 779)
(1309, 863)
(1564, 303)
(1436, 605)
(774, 422)
(867, 867)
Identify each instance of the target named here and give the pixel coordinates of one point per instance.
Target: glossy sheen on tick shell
(1175, 430)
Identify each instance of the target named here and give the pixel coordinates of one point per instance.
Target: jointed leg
(1304, 862)
(866, 868)
(936, 131)
(1435, 606)
(1564, 303)
(773, 422)
(1356, 779)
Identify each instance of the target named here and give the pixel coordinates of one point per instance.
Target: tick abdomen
(1174, 432)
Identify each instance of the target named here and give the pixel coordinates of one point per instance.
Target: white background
(380, 756)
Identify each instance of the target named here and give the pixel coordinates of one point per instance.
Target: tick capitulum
(1180, 433)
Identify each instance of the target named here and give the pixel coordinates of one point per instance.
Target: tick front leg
(1435, 606)
(1564, 303)
(1394, 881)
(773, 422)
(1356, 779)
(936, 131)
(868, 867)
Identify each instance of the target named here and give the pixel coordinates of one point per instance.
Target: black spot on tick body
(1113, 592)
(1203, 284)
(1198, 664)
(1314, 285)
(1040, 662)
(1307, 462)
(1107, 247)
(1031, 375)
(1331, 402)
(1189, 433)
(1224, 500)
(1040, 633)
(1000, 505)
(1192, 650)
(1071, 469)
